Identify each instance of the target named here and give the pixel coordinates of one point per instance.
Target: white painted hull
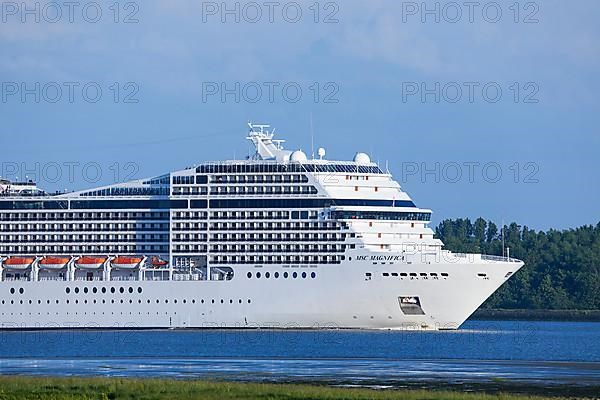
(340, 296)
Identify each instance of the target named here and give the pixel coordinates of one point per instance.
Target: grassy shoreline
(20, 387)
(536, 315)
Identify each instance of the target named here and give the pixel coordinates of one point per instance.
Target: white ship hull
(338, 297)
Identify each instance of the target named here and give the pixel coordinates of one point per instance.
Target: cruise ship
(278, 240)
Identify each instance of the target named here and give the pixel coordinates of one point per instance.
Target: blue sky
(366, 61)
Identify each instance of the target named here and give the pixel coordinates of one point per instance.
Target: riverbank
(157, 389)
(536, 315)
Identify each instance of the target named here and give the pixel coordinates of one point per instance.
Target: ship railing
(498, 258)
(52, 278)
(187, 277)
(16, 279)
(85, 278)
(124, 278)
(486, 257)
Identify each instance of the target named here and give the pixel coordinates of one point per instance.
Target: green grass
(120, 388)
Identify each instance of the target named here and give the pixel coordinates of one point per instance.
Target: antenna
(312, 137)
(502, 237)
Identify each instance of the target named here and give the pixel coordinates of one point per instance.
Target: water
(545, 353)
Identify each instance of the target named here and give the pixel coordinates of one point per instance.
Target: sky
(477, 108)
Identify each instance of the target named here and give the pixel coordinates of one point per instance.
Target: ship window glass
(304, 275)
(121, 290)
(103, 290)
(139, 290)
(276, 275)
(295, 275)
(267, 275)
(76, 290)
(285, 275)
(85, 290)
(68, 290)
(249, 274)
(313, 275)
(130, 290)
(258, 274)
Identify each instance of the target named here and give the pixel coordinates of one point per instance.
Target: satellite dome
(362, 158)
(298, 156)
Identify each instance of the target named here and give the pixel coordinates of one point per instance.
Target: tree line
(562, 267)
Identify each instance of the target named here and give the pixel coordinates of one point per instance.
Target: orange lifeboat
(54, 262)
(158, 263)
(18, 263)
(90, 262)
(123, 262)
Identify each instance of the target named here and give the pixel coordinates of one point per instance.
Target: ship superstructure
(277, 240)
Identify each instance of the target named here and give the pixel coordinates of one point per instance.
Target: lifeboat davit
(158, 263)
(90, 262)
(54, 262)
(126, 262)
(18, 263)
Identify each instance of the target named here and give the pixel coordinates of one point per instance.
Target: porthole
(76, 290)
(194, 301)
(240, 301)
(68, 290)
(230, 301)
(313, 275)
(249, 275)
(47, 301)
(157, 301)
(130, 301)
(304, 275)
(184, 301)
(249, 301)
(21, 290)
(276, 275)
(148, 301)
(76, 301)
(112, 289)
(85, 290)
(285, 274)
(139, 290)
(121, 289)
(175, 301)
(12, 290)
(29, 301)
(103, 290)
(267, 275)
(166, 301)
(295, 275)
(258, 274)
(67, 301)
(95, 290)
(213, 301)
(130, 289)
